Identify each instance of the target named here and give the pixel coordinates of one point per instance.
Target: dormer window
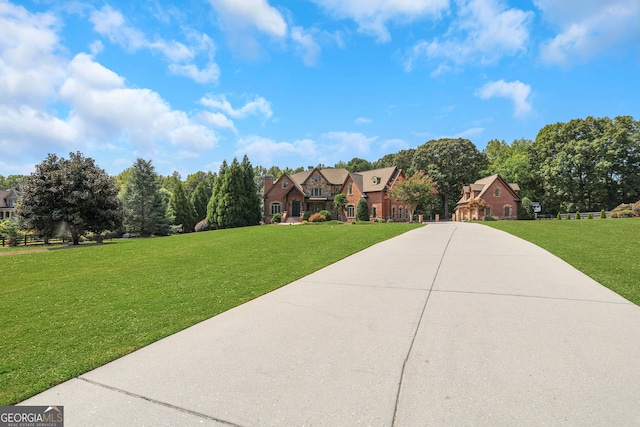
(375, 180)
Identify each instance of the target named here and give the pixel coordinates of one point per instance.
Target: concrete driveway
(450, 324)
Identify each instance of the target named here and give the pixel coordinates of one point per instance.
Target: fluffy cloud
(372, 15)
(255, 13)
(263, 150)
(49, 103)
(516, 91)
(349, 142)
(483, 32)
(111, 24)
(259, 106)
(588, 27)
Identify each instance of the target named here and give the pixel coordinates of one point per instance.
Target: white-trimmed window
(316, 192)
(276, 207)
(350, 189)
(285, 183)
(507, 211)
(351, 211)
(496, 192)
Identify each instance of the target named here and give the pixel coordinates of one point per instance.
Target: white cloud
(29, 67)
(255, 13)
(102, 108)
(372, 15)
(259, 106)
(264, 150)
(516, 91)
(469, 133)
(306, 45)
(483, 32)
(363, 120)
(111, 23)
(217, 120)
(351, 142)
(589, 27)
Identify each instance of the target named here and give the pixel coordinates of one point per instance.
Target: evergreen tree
(362, 210)
(145, 206)
(181, 208)
(199, 199)
(253, 202)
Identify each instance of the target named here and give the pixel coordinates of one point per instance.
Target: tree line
(77, 196)
(582, 165)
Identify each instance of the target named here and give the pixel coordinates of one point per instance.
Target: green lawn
(64, 312)
(606, 250)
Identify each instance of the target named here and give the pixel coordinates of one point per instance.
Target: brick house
(8, 199)
(490, 196)
(314, 190)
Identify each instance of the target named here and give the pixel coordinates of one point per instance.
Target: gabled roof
(301, 177)
(335, 176)
(483, 185)
(289, 178)
(11, 193)
(377, 179)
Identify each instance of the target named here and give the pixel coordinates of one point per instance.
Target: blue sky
(301, 82)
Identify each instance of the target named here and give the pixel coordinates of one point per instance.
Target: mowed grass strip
(605, 250)
(65, 312)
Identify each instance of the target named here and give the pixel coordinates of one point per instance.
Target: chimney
(268, 182)
(311, 167)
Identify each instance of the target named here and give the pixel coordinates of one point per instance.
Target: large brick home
(8, 200)
(490, 196)
(314, 190)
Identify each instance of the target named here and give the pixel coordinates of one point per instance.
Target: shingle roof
(377, 179)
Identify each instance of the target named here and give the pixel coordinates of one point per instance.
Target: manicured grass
(65, 312)
(606, 250)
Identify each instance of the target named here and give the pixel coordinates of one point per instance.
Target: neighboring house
(8, 199)
(314, 190)
(490, 196)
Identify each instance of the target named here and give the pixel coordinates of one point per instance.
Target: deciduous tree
(73, 192)
(413, 191)
(451, 163)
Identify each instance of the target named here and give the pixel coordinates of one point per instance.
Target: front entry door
(295, 209)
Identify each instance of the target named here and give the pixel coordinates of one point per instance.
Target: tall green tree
(362, 210)
(200, 200)
(72, 192)
(588, 164)
(181, 209)
(452, 163)
(413, 191)
(145, 206)
(515, 164)
(194, 179)
(252, 203)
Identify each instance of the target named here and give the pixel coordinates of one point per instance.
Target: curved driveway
(450, 324)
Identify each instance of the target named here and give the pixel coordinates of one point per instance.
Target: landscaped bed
(606, 250)
(65, 312)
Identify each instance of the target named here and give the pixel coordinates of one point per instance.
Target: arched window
(400, 211)
(507, 211)
(276, 207)
(393, 212)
